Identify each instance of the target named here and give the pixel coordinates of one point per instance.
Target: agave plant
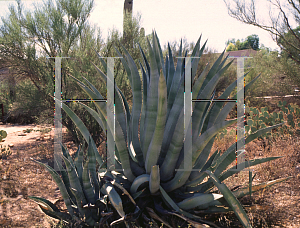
(151, 181)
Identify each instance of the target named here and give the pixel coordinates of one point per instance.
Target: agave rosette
(149, 141)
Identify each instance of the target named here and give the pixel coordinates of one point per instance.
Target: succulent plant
(3, 135)
(4, 151)
(151, 181)
(260, 119)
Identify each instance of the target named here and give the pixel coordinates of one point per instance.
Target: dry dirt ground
(20, 176)
(278, 206)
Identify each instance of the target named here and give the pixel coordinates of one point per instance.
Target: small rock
(10, 145)
(22, 134)
(24, 192)
(3, 140)
(22, 168)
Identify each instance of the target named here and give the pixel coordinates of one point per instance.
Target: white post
(110, 114)
(188, 139)
(240, 112)
(240, 146)
(187, 115)
(57, 114)
(110, 110)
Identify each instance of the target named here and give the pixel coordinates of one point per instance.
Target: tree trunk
(128, 4)
(11, 85)
(127, 14)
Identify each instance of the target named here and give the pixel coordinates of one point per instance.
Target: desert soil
(278, 206)
(20, 176)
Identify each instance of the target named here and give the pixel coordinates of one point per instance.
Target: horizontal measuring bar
(85, 100)
(245, 57)
(187, 57)
(110, 57)
(57, 57)
(197, 100)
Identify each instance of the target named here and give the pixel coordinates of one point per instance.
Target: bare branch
(294, 6)
(280, 27)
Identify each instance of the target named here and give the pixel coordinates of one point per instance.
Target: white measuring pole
(110, 110)
(188, 139)
(188, 116)
(110, 114)
(240, 137)
(57, 114)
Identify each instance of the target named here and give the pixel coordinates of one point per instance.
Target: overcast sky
(173, 19)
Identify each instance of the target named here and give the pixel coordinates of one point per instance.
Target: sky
(173, 20)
